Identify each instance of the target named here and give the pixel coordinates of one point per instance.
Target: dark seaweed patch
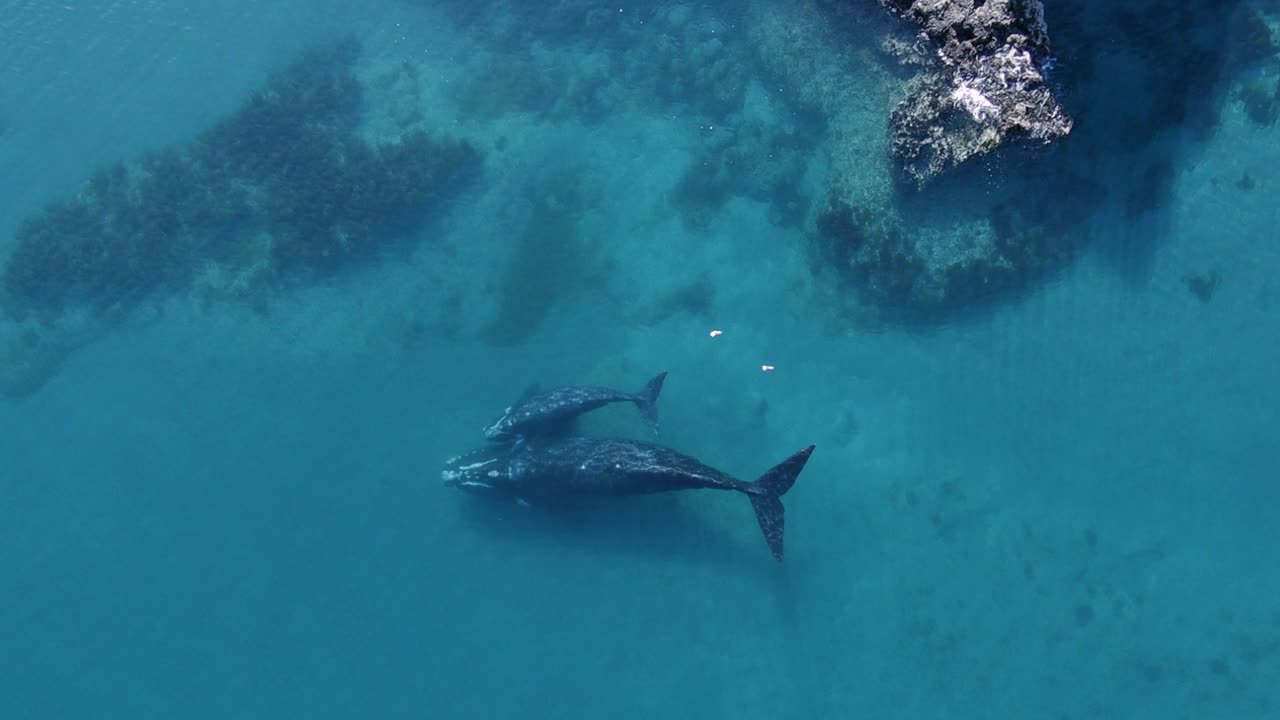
(285, 178)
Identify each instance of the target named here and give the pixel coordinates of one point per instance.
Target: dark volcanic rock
(984, 84)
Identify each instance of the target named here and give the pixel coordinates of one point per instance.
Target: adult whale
(544, 470)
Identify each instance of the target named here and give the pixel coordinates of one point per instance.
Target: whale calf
(539, 413)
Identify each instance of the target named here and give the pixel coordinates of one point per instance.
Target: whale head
(481, 471)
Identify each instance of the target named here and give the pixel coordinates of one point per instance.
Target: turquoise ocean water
(220, 496)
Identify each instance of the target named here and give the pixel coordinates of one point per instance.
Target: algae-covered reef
(985, 82)
(282, 187)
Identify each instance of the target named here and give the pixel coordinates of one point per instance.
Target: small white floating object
(767, 368)
(717, 333)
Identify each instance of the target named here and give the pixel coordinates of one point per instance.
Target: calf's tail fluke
(647, 401)
(766, 497)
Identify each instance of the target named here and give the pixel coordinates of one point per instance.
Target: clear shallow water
(1063, 504)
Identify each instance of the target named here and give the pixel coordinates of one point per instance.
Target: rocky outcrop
(984, 82)
(1145, 80)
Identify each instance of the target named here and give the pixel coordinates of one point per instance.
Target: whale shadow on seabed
(652, 526)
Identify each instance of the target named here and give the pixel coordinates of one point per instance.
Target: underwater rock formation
(586, 60)
(984, 84)
(758, 160)
(919, 276)
(283, 186)
(1145, 82)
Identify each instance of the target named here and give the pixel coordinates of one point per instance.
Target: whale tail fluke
(766, 497)
(647, 401)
